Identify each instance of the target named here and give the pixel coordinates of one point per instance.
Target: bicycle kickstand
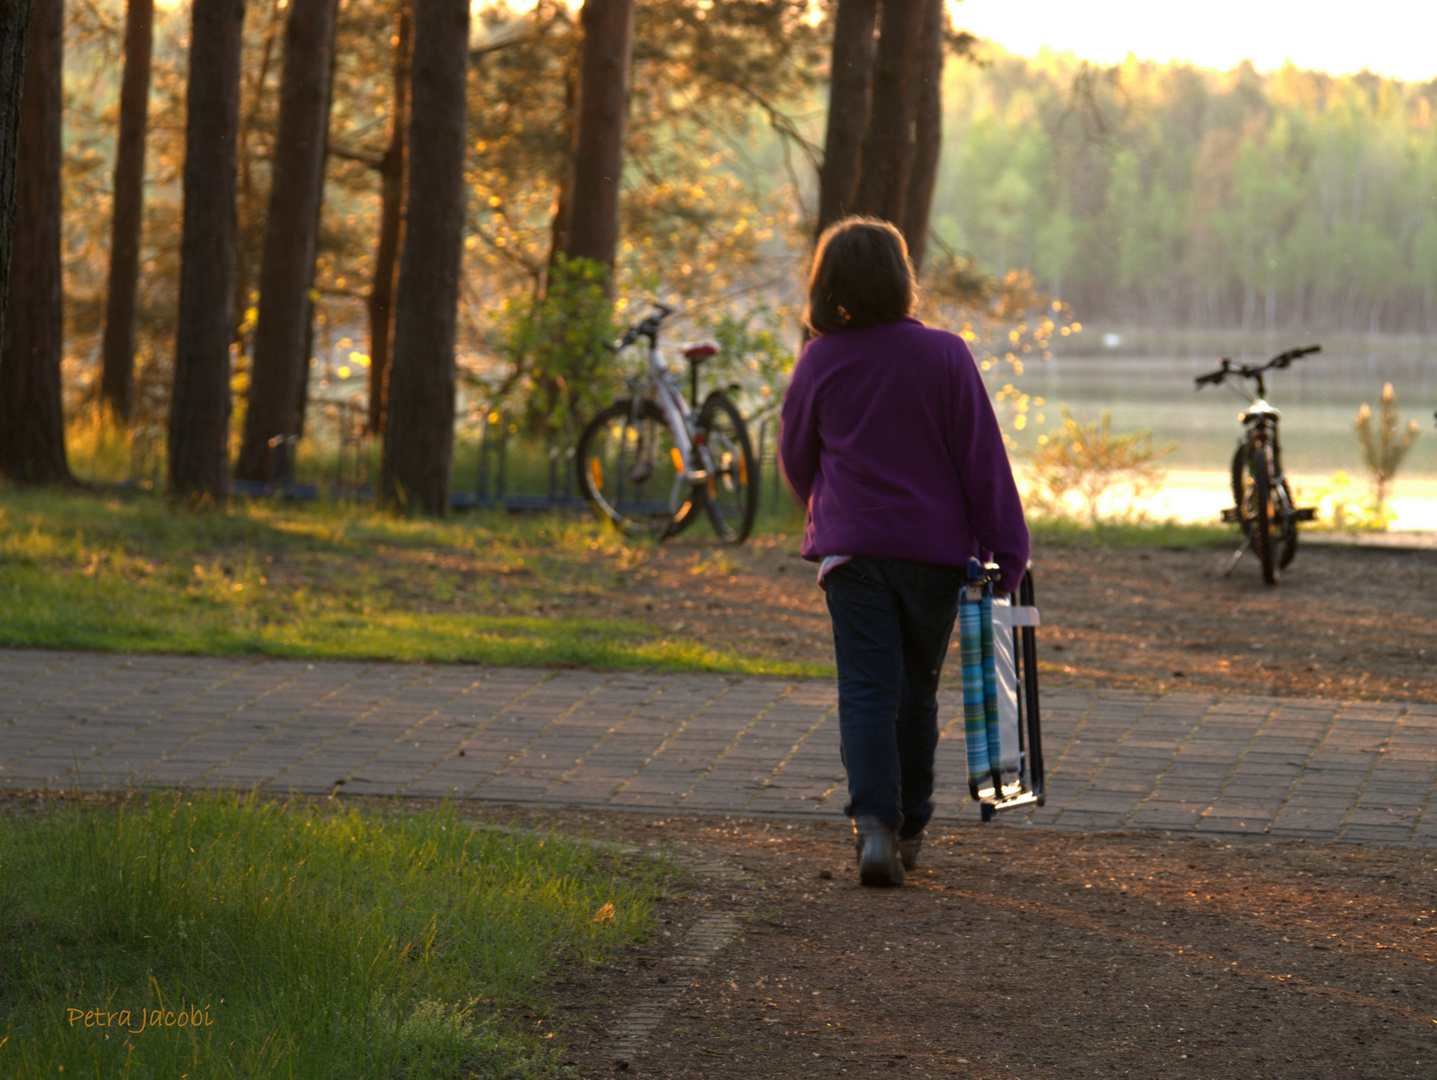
(1236, 555)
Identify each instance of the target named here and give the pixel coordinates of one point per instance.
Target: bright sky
(1397, 38)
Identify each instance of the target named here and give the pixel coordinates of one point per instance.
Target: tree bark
(419, 427)
(200, 403)
(564, 181)
(927, 132)
(593, 230)
(306, 355)
(391, 224)
(117, 350)
(14, 22)
(32, 422)
(850, 85)
(249, 213)
(287, 261)
(888, 148)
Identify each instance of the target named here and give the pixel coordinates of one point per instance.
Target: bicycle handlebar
(648, 328)
(1215, 376)
(1281, 360)
(1254, 371)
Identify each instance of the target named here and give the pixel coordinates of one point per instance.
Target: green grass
(341, 581)
(295, 941)
(1072, 532)
(326, 580)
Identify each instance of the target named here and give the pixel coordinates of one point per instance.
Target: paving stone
(1181, 762)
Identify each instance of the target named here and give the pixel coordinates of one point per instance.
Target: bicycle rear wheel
(631, 472)
(1284, 523)
(733, 474)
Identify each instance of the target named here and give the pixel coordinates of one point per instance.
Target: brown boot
(878, 860)
(908, 850)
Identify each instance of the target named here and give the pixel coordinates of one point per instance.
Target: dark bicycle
(1263, 504)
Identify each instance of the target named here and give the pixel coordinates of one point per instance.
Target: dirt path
(1023, 953)
(1343, 622)
(1016, 953)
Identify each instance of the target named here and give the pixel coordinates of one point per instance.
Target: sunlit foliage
(708, 210)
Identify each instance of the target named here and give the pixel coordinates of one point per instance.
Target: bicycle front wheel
(631, 472)
(1260, 506)
(733, 474)
(1264, 509)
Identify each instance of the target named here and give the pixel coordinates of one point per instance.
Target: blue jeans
(891, 623)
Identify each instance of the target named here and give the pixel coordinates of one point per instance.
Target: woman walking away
(890, 443)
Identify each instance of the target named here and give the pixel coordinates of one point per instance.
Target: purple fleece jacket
(890, 441)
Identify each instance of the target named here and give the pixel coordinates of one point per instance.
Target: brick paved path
(1188, 763)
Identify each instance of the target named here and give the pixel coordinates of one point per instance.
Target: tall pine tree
(419, 425)
(281, 338)
(117, 350)
(200, 402)
(32, 423)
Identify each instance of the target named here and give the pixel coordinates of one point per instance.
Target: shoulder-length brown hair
(861, 276)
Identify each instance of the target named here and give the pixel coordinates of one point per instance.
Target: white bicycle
(651, 461)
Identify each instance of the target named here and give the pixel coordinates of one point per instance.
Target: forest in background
(1140, 194)
(1170, 196)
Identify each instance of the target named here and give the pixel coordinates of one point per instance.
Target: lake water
(1318, 396)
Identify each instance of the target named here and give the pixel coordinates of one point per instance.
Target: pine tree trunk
(927, 132)
(287, 262)
(32, 423)
(117, 349)
(593, 231)
(391, 223)
(850, 85)
(306, 355)
(564, 182)
(249, 212)
(888, 149)
(200, 403)
(419, 425)
(14, 22)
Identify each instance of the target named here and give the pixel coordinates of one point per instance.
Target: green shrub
(1085, 462)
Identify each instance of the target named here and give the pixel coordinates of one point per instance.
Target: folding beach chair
(1001, 724)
